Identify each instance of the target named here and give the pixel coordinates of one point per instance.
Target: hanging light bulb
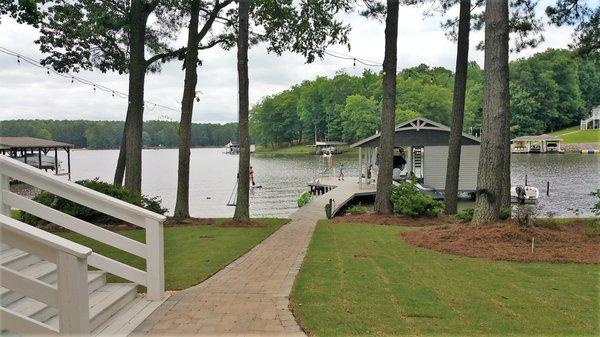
(18, 59)
(354, 62)
(113, 94)
(94, 87)
(48, 71)
(72, 79)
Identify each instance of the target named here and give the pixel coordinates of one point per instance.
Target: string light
(81, 80)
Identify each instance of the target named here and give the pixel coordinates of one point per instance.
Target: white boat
(524, 194)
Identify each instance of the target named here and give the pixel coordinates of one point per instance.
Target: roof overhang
(416, 125)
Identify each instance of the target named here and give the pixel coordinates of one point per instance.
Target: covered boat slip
(421, 148)
(40, 153)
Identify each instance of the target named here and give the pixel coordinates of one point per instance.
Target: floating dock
(340, 191)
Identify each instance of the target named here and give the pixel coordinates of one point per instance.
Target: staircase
(46, 286)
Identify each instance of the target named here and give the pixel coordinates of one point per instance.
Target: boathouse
(536, 144)
(421, 148)
(40, 153)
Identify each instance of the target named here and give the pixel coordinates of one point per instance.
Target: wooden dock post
(525, 180)
(547, 188)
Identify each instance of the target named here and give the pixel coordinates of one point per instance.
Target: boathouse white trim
(423, 144)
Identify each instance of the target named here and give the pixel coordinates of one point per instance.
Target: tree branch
(164, 56)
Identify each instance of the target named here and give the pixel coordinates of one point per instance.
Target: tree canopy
(549, 91)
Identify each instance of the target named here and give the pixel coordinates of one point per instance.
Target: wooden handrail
(77, 193)
(10, 226)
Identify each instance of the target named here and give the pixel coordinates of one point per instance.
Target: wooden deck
(341, 191)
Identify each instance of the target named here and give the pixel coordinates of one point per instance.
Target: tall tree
(491, 188)
(383, 204)
(187, 107)
(242, 205)
(191, 61)
(458, 108)
(585, 19)
(113, 36)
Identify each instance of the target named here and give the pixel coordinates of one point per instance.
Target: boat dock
(340, 191)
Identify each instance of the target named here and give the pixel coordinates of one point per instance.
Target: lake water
(212, 178)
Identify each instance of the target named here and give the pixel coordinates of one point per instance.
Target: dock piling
(547, 188)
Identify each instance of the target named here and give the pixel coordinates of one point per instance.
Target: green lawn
(363, 280)
(574, 135)
(192, 254)
(295, 149)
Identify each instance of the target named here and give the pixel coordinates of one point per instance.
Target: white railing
(70, 296)
(152, 250)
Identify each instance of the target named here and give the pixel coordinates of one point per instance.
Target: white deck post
(4, 185)
(73, 301)
(360, 168)
(155, 264)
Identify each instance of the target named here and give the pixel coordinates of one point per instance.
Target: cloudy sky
(28, 92)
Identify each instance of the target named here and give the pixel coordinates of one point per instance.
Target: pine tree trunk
(383, 204)
(458, 109)
(182, 208)
(137, 74)
(492, 159)
(120, 169)
(242, 205)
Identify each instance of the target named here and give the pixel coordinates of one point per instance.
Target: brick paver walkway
(250, 296)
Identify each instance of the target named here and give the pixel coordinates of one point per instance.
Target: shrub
(504, 213)
(524, 215)
(356, 209)
(84, 213)
(593, 229)
(407, 200)
(596, 207)
(465, 215)
(304, 198)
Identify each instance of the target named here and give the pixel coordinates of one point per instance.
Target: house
(592, 122)
(421, 148)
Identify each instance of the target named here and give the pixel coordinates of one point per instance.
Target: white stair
(105, 299)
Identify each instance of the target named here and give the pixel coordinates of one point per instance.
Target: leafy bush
(524, 215)
(84, 213)
(465, 215)
(593, 229)
(407, 200)
(357, 209)
(596, 207)
(304, 198)
(504, 213)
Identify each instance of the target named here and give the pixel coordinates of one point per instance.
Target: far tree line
(108, 134)
(549, 91)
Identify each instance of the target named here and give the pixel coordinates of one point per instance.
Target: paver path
(250, 296)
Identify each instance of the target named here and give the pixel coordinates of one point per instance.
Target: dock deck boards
(342, 192)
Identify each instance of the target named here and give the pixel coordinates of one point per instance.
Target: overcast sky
(27, 92)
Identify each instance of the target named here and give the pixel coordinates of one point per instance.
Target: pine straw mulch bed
(507, 241)
(393, 220)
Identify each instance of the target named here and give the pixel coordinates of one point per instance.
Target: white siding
(434, 165)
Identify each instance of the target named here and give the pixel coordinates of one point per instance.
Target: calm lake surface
(212, 178)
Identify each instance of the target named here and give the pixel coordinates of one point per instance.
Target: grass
(363, 280)
(295, 149)
(192, 254)
(15, 214)
(574, 135)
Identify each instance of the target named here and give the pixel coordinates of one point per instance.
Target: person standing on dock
(341, 174)
(251, 177)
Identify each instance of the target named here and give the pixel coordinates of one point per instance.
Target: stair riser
(45, 314)
(111, 310)
(22, 262)
(96, 283)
